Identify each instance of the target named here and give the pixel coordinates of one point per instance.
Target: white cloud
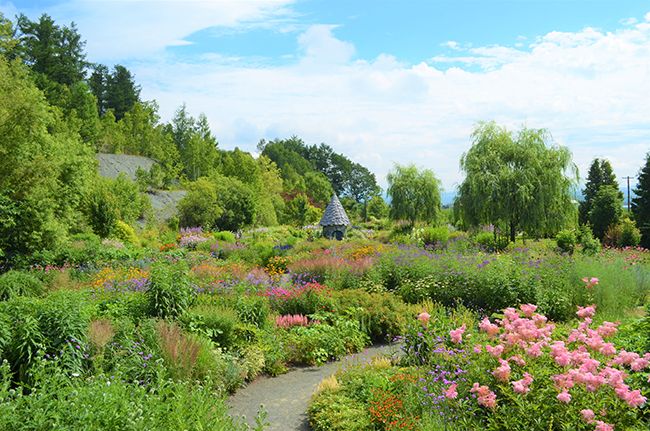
(320, 47)
(589, 88)
(121, 29)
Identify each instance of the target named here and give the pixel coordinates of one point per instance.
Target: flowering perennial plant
(290, 320)
(583, 367)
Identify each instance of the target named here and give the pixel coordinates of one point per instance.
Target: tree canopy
(414, 194)
(600, 174)
(517, 182)
(641, 203)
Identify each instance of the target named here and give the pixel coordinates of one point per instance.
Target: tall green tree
(50, 50)
(45, 168)
(414, 194)
(606, 210)
(641, 203)
(8, 42)
(98, 83)
(121, 91)
(600, 174)
(516, 182)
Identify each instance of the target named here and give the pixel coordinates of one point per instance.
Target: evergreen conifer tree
(641, 203)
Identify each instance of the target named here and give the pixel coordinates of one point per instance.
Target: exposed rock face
(163, 202)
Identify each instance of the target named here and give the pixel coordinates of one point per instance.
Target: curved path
(286, 397)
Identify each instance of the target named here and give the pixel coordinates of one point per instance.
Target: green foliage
(414, 194)
(299, 212)
(435, 236)
(18, 283)
(489, 242)
(606, 210)
(200, 206)
(319, 343)
(102, 211)
(623, 234)
(170, 292)
(253, 310)
(566, 241)
(600, 174)
(125, 233)
(214, 323)
(641, 203)
(377, 207)
(108, 402)
(225, 236)
(53, 326)
(237, 201)
(518, 182)
(53, 51)
(382, 316)
(45, 168)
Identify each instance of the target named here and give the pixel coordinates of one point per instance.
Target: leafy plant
(16, 283)
(170, 292)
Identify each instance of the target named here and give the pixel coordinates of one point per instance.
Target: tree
(121, 93)
(600, 174)
(53, 51)
(377, 207)
(200, 206)
(415, 195)
(520, 182)
(641, 203)
(98, 83)
(606, 210)
(45, 168)
(237, 201)
(8, 42)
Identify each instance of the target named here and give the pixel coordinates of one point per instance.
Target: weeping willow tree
(414, 194)
(521, 181)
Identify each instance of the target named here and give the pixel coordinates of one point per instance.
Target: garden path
(286, 397)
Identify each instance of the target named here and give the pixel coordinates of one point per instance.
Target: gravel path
(286, 397)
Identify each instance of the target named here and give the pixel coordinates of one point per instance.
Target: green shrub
(435, 236)
(319, 343)
(623, 234)
(382, 316)
(17, 283)
(125, 233)
(488, 242)
(214, 323)
(566, 241)
(336, 411)
(109, 402)
(224, 235)
(253, 310)
(170, 292)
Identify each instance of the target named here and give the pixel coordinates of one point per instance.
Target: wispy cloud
(116, 30)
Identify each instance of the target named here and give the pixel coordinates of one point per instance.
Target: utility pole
(628, 193)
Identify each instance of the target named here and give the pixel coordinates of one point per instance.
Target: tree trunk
(513, 231)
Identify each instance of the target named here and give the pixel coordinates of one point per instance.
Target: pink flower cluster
(457, 334)
(590, 282)
(291, 320)
(486, 397)
(281, 293)
(526, 331)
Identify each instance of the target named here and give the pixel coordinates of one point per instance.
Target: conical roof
(334, 214)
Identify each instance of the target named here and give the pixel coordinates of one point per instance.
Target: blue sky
(386, 81)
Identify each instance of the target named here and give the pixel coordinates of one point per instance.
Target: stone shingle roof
(334, 214)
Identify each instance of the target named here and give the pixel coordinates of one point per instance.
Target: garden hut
(335, 221)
